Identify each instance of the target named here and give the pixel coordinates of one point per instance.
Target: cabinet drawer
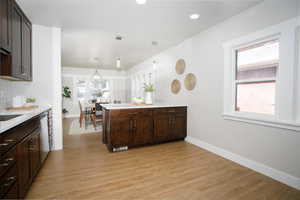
(6, 143)
(12, 193)
(8, 180)
(162, 111)
(14, 135)
(130, 113)
(8, 160)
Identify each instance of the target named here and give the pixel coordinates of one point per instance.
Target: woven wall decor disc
(190, 81)
(180, 66)
(175, 86)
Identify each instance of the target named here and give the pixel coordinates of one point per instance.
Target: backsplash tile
(5, 95)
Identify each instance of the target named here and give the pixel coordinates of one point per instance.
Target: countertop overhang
(25, 115)
(133, 106)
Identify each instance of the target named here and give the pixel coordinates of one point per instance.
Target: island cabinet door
(142, 131)
(121, 131)
(162, 128)
(178, 130)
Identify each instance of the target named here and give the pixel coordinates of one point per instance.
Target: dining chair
(82, 114)
(97, 116)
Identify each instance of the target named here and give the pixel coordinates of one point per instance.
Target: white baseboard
(258, 167)
(71, 116)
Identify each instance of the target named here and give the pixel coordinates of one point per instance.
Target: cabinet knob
(4, 144)
(9, 159)
(12, 178)
(9, 181)
(4, 164)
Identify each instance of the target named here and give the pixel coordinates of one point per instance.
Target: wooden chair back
(80, 106)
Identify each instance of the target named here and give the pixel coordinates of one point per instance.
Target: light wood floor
(173, 171)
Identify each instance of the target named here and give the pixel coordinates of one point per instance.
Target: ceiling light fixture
(141, 2)
(118, 63)
(154, 63)
(119, 37)
(154, 43)
(194, 16)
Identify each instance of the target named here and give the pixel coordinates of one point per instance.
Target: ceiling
(90, 26)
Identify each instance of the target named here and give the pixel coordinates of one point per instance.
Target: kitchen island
(127, 126)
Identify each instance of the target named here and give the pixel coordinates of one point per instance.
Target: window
(87, 90)
(81, 89)
(261, 77)
(256, 69)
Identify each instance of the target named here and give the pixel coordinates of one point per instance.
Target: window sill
(264, 122)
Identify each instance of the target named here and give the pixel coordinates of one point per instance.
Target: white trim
(71, 116)
(57, 89)
(256, 166)
(264, 121)
(257, 80)
(104, 77)
(285, 109)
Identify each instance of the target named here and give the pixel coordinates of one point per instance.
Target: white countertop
(132, 106)
(25, 115)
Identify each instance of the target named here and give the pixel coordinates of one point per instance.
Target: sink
(7, 117)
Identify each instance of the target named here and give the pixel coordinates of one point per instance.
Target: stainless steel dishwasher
(44, 137)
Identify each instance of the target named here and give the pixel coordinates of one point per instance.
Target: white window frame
(287, 98)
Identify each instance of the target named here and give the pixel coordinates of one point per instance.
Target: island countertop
(134, 106)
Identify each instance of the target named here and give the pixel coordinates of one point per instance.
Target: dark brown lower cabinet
(162, 126)
(8, 181)
(20, 158)
(12, 192)
(178, 126)
(127, 128)
(120, 132)
(24, 165)
(170, 124)
(34, 153)
(142, 130)
(28, 160)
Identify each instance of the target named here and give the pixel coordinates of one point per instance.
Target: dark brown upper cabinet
(5, 26)
(17, 64)
(26, 49)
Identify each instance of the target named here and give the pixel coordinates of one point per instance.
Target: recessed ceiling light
(194, 16)
(119, 37)
(118, 63)
(141, 2)
(154, 43)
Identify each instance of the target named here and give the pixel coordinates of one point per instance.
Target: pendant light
(118, 63)
(97, 76)
(141, 2)
(96, 83)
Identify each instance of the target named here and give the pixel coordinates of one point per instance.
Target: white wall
(117, 80)
(272, 147)
(46, 84)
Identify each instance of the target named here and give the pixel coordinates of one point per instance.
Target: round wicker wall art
(190, 81)
(180, 66)
(175, 86)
